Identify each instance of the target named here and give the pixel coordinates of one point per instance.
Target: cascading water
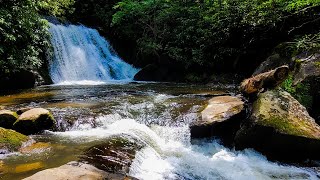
(81, 54)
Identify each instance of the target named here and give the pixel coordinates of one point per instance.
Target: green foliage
(56, 8)
(302, 91)
(203, 33)
(306, 43)
(22, 36)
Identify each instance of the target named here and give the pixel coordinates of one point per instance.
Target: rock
(76, 170)
(14, 79)
(306, 67)
(272, 62)
(11, 140)
(28, 167)
(34, 121)
(281, 128)
(22, 110)
(35, 148)
(220, 117)
(114, 156)
(151, 72)
(7, 118)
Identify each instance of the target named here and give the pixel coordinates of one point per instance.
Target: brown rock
(7, 118)
(76, 170)
(220, 117)
(34, 121)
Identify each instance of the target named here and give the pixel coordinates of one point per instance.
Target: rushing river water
(156, 114)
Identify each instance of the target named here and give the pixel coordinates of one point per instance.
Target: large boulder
(76, 170)
(34, 121)
(281, 128)
(115, 155)
(11, 140)
(151, 72)
(306, 66)
(7, 118)
(221, 117)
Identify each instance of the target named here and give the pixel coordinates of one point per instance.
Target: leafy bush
(302, 91)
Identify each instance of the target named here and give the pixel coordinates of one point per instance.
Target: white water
(81, 54)
(169, 154)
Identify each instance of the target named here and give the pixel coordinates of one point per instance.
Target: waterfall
(81, 54)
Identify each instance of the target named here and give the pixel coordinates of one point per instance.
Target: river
(156, 114)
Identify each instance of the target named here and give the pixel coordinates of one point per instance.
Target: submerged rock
(281, 128)
(76, 170)
(28, 167)
(7, 118)
(35, 148)
(219, 117)
(34, 121)
(11, 140)
(114, 156)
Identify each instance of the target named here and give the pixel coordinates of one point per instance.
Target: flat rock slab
(220, 109)
(219, 114)
(76, 170)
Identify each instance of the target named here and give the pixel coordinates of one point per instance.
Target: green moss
(296, 128)
(11, 140)
(317, 64)
(301, 91)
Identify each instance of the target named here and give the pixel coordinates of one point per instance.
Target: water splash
(170, 155)
(81, 54)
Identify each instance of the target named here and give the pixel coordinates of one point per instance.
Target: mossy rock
(7, 118)
(11, 140)
(281, 128)
(34, 121)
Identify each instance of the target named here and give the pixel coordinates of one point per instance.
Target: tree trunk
(266, 80)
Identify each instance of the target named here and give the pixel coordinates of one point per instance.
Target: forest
(197, 38)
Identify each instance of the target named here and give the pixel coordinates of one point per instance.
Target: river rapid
(156, 114)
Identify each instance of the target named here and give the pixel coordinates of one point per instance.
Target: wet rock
(35, 148)
(28, 167)
(305, 67)
(7, 118)
(34, 121)
(272, 62)
(220, 117)
(14, 79)
(114, 156)
(151, 72)
(76, 170)
(11, 140)
(281, 128)
(22, 110)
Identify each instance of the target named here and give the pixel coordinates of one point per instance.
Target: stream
(156, 114)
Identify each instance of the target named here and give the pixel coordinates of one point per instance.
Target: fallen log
(267, 80)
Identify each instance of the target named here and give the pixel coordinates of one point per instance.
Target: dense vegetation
(24, 38)
(203, 36)
(225, 35)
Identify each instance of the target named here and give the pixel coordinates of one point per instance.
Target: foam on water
(81, 54)
(168, 154)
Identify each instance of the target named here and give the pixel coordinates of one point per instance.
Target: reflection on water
(156, 115)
